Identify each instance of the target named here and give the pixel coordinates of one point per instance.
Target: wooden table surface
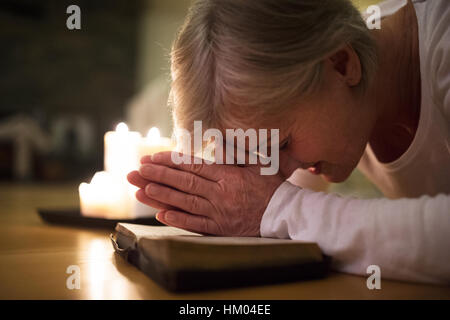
(34, 257)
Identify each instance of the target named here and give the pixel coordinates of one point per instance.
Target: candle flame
(122, 127)
(101, 178)
(153, 135)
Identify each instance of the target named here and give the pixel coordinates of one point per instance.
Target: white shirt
(408, 236)
(425, 167)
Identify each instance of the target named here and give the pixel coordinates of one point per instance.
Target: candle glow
(153, 135)
(109, 195)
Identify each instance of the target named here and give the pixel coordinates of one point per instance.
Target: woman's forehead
(261, 136)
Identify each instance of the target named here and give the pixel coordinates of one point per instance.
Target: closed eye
(281, 146)
(285, 143)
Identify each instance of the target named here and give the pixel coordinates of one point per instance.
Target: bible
(180, 260)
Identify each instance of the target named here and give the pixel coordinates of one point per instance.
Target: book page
(143, 231)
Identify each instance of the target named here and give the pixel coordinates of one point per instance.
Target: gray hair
(240, 59)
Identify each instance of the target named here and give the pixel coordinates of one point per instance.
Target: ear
(346, 62)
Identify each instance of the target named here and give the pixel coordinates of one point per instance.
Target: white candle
(154, 143)
(109, 195)
(104, 197)
(121, 150)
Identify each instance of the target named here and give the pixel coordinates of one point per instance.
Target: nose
(307, 165)
(293, 162)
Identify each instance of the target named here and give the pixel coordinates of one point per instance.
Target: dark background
(51, 73)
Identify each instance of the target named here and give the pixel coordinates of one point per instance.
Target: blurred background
(62, 89)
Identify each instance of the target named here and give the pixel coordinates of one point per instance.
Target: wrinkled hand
(213, 199)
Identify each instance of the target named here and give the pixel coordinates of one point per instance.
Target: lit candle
(109, 195)
(154, 143)
(103, 197)
(121, 150)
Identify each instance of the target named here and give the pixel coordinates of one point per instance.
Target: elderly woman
(342, 96)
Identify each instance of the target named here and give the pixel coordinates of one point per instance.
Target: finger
(188, 222)
(136, 179)
(141, 197)
(187, 163)
(181, 180)
(178, 199)
(146, 159)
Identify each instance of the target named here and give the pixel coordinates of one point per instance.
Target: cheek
(308, 149)
(322, 142)
(324, 129)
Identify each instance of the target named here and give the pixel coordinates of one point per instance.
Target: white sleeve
(409, 239)
(436, 39)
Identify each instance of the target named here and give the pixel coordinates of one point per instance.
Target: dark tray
(73, 217)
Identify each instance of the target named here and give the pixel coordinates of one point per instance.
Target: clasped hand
(216, 199)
